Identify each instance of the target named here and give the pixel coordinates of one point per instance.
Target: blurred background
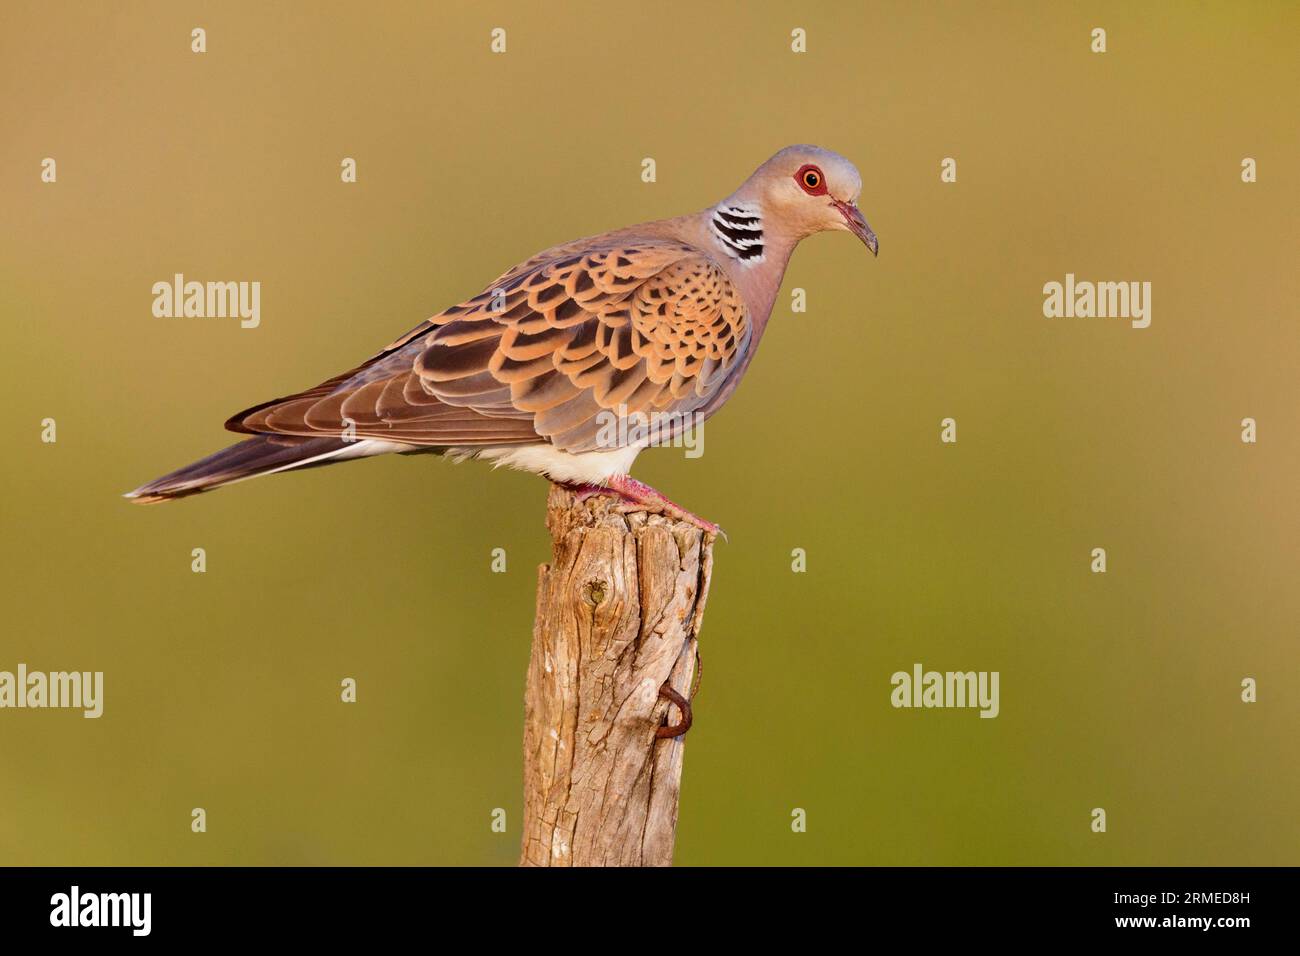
(1118, 690)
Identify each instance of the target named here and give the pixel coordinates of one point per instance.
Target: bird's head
(806, 189)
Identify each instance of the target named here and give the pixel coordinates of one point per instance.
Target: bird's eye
(811, 180)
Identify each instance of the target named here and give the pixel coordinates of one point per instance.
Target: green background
(1119, 690)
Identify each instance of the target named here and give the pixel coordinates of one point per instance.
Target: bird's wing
(629, 326)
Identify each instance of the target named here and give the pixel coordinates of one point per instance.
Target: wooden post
(618, 614)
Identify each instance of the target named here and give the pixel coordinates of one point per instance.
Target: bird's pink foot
(641, 495)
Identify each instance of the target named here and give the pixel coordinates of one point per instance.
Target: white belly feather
(591, 468)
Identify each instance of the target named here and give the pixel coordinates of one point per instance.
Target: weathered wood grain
(618, 611)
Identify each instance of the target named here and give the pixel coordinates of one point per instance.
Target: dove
(657, 321)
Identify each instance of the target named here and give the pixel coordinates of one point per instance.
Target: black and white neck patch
(739, 229)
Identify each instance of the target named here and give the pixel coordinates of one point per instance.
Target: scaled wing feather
(545, 353)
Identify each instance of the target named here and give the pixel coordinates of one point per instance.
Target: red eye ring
(811, 180)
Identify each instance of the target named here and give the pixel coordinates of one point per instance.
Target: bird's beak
(857, 225)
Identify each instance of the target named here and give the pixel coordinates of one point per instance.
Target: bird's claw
(638, 496)
(678, 514)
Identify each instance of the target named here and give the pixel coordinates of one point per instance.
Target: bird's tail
(262, 455)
